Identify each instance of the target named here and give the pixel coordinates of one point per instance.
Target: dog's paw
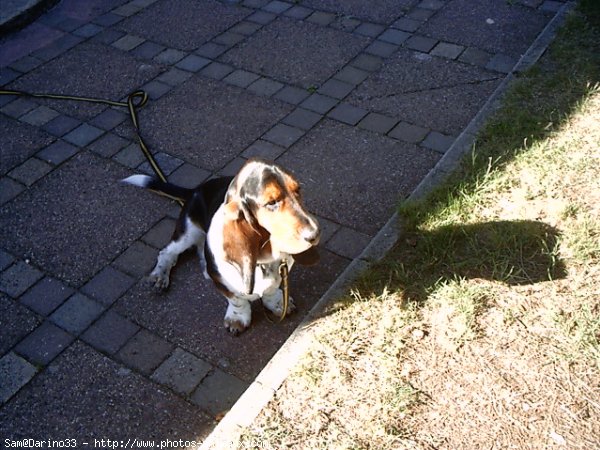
(274, 303)
(159, 280)
(235, 327)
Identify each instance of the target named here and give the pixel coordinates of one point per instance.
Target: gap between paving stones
(266, 384)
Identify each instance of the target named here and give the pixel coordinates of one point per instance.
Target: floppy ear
(241, 243)
(309, 257)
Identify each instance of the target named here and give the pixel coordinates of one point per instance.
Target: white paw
(274, 303)
(159, 279)
(238, 317)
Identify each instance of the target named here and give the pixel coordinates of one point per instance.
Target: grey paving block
(381, 48)
(137, 260)
(108, 119)
(292, 94)
(328, 229)
(108, 36)
(420, 43)
(9, 189)
(218, 392)
(265, 86)
(166, 162)
(188, 175)
(319, 103)
(229, 39)
(298, 12)
(475, 56)
(438, 141)
(348, 242)
(420, 14)
(193, 63)
(394, 36)
(321, 18)
(211, 50)
(19, 277)
(108, 145)
(7, 75)
(551, 6)
(46, 295)
(88, 30)
(160, 234)
(336, 89)
(156, 89)
(245, 28)
(26, 64)
(277, 7)
(262, 17)
(108, 19)
(232, 167)
(351, 75)
(383, 12)
(128, 42)
(407, 24)
(131, 156)
(44, 344)
(241, 78)
(169, 56)
(83, 135)
(39, 116)
(30, 171)
(283, 135)
(147, 50)
(377, 122)
(57, 152)
(126, 10)
(16, 322)
(447, 50)
(182, 371)
(367, 62)
(348, 114)
(109, 333)
(498, 63)
(174, 76)
(432, 4)
(108, 285)
(369, 29)
(217, 70)
(409, 133)
(296, 52)
(19, 107)
(58, 47)
(15, 373)
(263, 149)
(6, 259)
(145, 351)
(61, 125)
(302, 118)
(77, 313)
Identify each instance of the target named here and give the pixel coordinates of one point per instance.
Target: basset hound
(243, 227)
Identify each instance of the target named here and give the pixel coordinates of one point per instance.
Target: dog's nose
(312, 235)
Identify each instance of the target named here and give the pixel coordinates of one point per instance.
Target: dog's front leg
(239, 314)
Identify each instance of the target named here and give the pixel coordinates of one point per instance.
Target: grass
(481, 327)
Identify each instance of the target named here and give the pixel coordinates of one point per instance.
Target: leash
(135, 101)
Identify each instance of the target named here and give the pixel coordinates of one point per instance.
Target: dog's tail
(154, 184)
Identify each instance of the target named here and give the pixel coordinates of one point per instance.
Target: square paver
(108, 119)
(348, 242)
(76, 314)
(378, 123)
(30, 171)
(218, 392)
(438, 141)
(183, 24)
(447, 50)
(319, 103)
(16, 322)
(15, 280)
(241, 78)
(39, 116)
(302, 118)
(365, 174)
(182, 371)
(47, 295)
(292, 94)
(283, 135)
(336, 89)
(193, 63)
(137, 260)
(347, 113)
(108, 285)
(83, 135)
(44, 344)
(420, 43)
(15, 373)
(19, 142)
(128, 42)
(298, 53)
(61, 125)
(188, 176)
(265, 86)
(217, 70)
(174, 76)
(108, 145)
(145, 351)
(160, 234)
(351, 75)
(58, 152)
(109, 333)
(409, 133)
(263, 149)
(380, 11)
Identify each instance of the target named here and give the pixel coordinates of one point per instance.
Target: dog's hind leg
(190, 235)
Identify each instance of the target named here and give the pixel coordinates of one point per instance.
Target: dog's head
(264, 209)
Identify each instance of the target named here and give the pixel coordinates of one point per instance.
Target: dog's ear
(241, 243)
(309, 257)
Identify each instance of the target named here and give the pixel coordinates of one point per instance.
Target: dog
(244, 227)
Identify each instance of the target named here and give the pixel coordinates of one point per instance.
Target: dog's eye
(272, 205)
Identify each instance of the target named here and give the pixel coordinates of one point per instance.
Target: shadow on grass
(512, 252)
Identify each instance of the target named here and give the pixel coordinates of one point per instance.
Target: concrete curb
(262, 390)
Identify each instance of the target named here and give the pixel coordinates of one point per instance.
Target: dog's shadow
(513, 252)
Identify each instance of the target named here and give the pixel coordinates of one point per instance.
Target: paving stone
(319, 103)
(406, 24)
(128, 42)
(108, 19)
(232, 167)
(145, 352)
(276, 7)
(15, 373)
(217, 70)
(369, 29)
(498, 63)
(174, 77)
(409, 133)
(166, 162)
(88, 30)
(6, 259)
(438, 141)
(475, 56)
(39, 116)
(283, 135)
(108, 285)
(188, 176)
(61, 125)
(420, 43)
(420, 14)
(44, 344)
(395, 37)
(321, 18)
(241, 78)
(346, 23)
(16, 322)
(383, 12)
(347, 113)
(351, 75)
(245, 28)
(7, 75)
(292, 94)
(160, 234)
(77, 313)
(57, 152)
(336, 89)
(432, 4)
(255, 3)
(193, 63)
(15, 280)
(137, 260)
(83, 135)
(218, 392)
(108, 119)
(262, 17)
(263, 149)
(182, 371)
(298, 12)
(295, 52)
(147, 50)
(328, 229)
(169, 56)
(108, 36)
(126, 10)
(9, 189)
(58, 47)
(377, 122)
(366, 62)
(211, 50)
(447, 50)
(46, 295)
(302, 118)
(380, 48)
(551, 6)
(30, 171)
(109, 333)
(19, 107)
(156, 89)
(348, 242)
(26, 64)
(265, 86)
(183, 24)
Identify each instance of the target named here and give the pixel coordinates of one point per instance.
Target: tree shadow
(513, 252)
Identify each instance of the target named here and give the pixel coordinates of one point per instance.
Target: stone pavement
(359, 99)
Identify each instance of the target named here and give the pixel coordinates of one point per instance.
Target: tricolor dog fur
(243, 227)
